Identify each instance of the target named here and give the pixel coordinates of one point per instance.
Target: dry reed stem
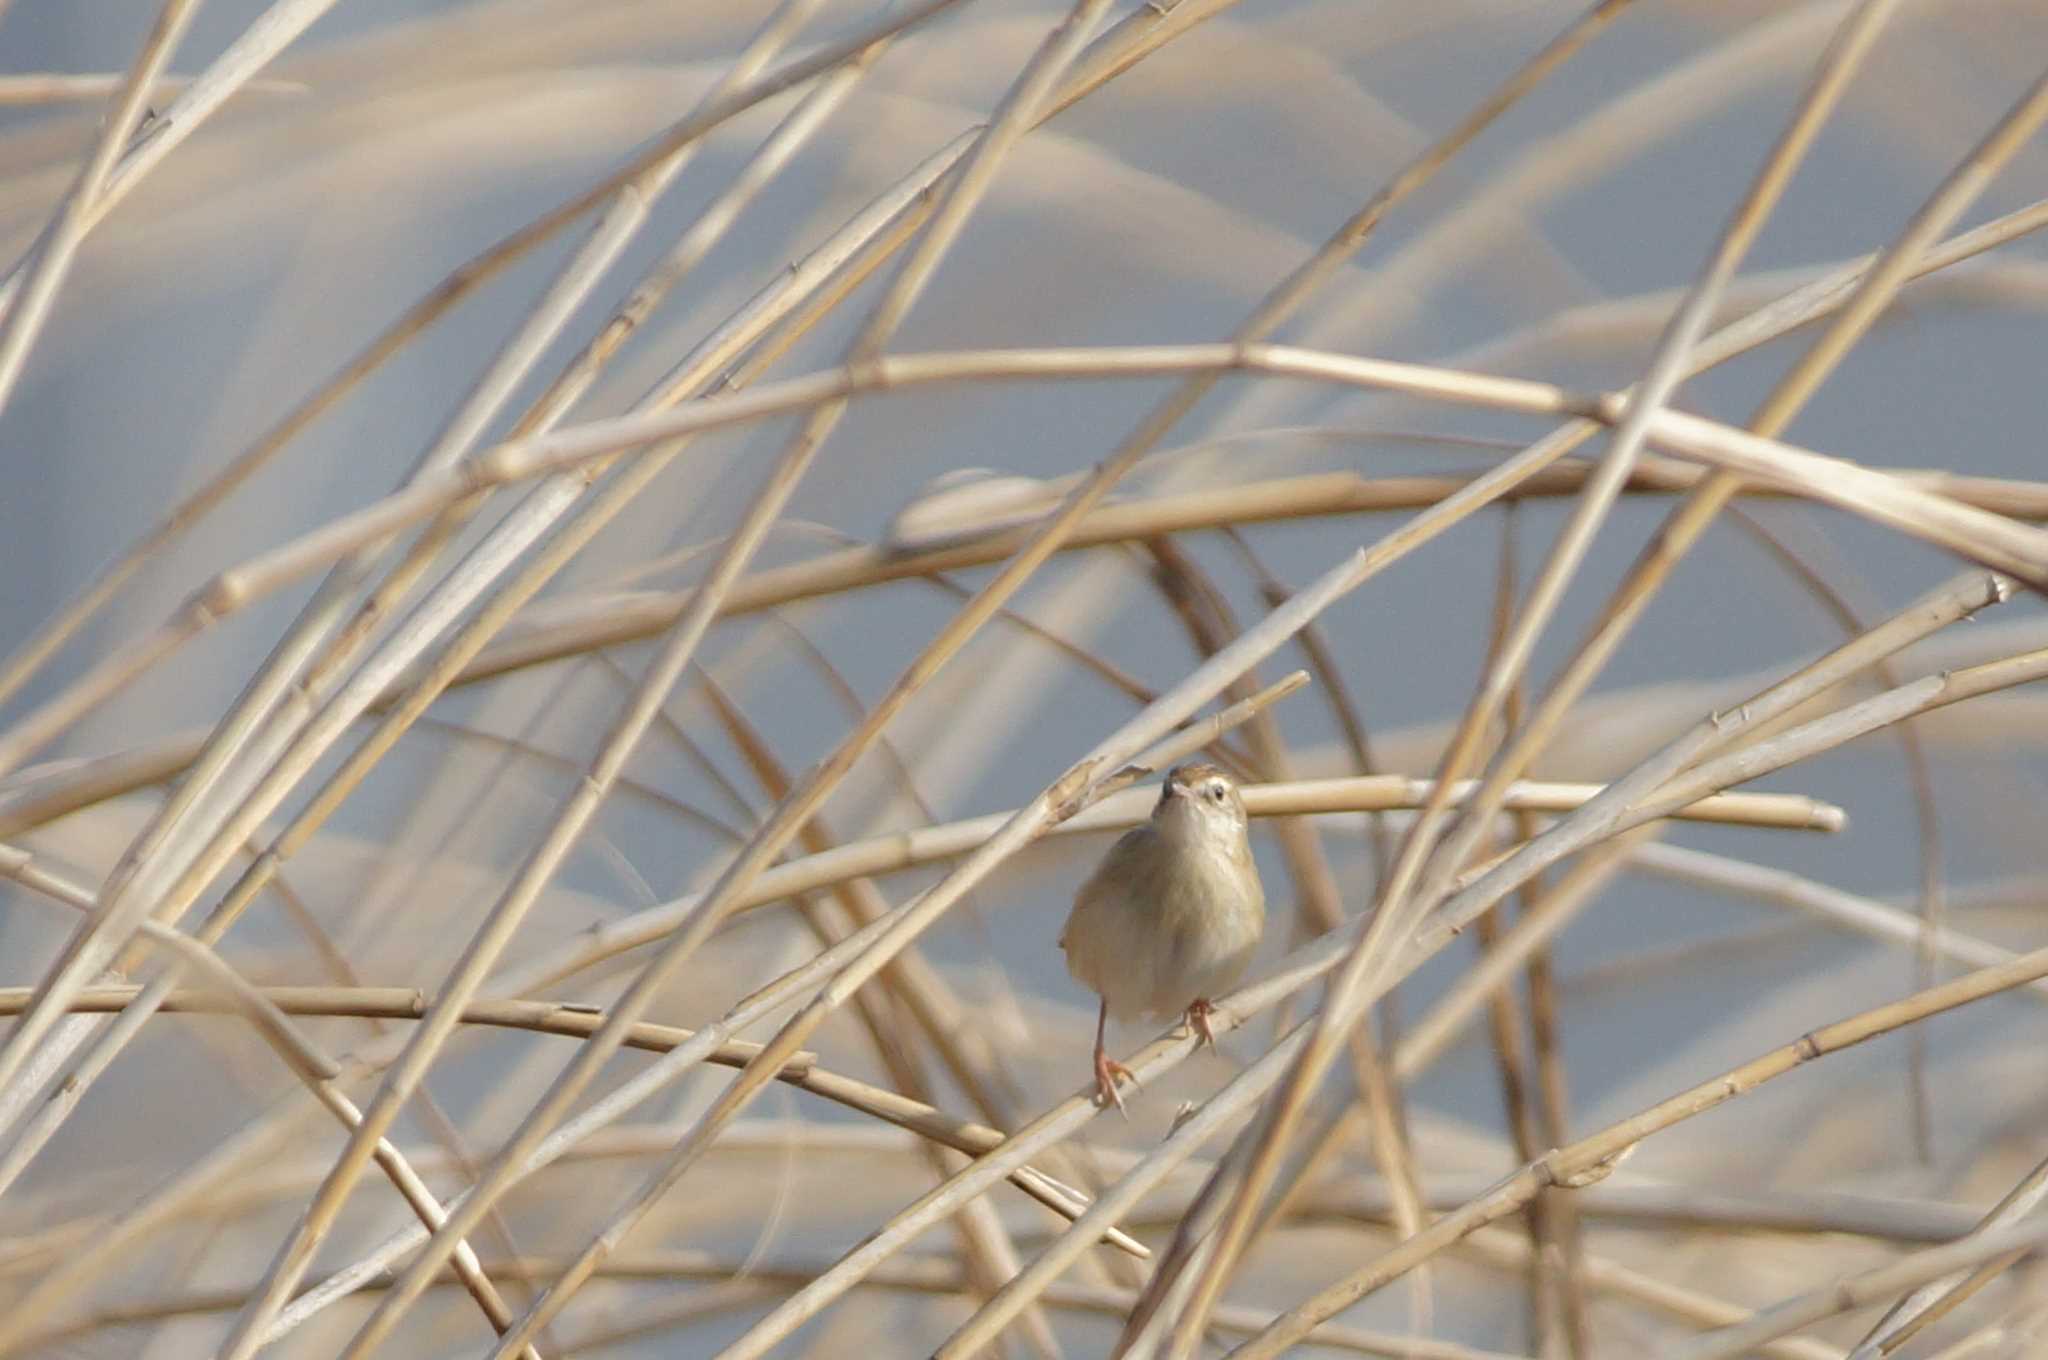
(274, 788)
(921, 998)
(563, 1019)
(1302, 968)
(1557, 1295)
(1077, 504)
(1016, 115)
(84, 87)
(299, 1054)
(81, 958)
(1129, 42)
(1872, 1286)
(1911, 1314)
(879, 950)
(762, 1002)
(42, 272)
(1591, 1158)
(1902, 501)
(1430, 886)
(1779, 887)
(925, 1275)
(1137, 35)
(1669, 363)
(628, 619)
(1319, 906)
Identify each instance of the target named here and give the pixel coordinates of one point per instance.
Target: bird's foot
(1107, 1070)
(1198, 1020)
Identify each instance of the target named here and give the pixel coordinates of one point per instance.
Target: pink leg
(1108, 1069)
(1198, 1019)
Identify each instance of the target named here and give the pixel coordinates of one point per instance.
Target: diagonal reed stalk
(532, 904)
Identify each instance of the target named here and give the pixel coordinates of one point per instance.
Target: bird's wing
(1117, 867)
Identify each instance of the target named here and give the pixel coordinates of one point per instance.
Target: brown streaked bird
(1172, 915)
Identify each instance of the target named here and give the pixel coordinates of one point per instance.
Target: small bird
(1172, 915)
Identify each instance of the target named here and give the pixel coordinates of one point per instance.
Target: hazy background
(276, 242)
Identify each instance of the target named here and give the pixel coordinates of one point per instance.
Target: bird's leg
(1198, 1020)
(1108, 1069)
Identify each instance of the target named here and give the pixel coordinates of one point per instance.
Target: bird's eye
(1215, 793)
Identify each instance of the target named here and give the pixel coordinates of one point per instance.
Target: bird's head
(1200, 803)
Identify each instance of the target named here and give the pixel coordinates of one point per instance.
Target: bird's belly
(1201, 962)
(1194, 942)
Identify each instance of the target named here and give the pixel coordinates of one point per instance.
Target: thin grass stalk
(1592, 1157)
(280, 25)
(762, 1002)
(925, 1275)
(1556, 1311)
(1659, 1296)
(1013, 118)
(1318, 903)
(477, 631)
(1871, 1286)
(49, 260)
(298, 1053)
(875, 953)
(1247, 1086)
(1777, 887)
(1428, 1038)
(1336, 690)
(1408, 879)
(84, 953)
(621, 222)
(1905, 1319)
(1558, 1252)
(1871, 293)
(1920, 778)
(990, 1256)
(573, 1021)
(1511, 1067)
(90, 86)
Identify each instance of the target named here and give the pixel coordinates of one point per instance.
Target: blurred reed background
(499, 627)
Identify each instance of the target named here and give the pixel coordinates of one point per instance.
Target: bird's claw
(1107, 1070)
(1198, 1020)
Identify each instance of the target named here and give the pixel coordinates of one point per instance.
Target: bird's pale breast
(1160, 924)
